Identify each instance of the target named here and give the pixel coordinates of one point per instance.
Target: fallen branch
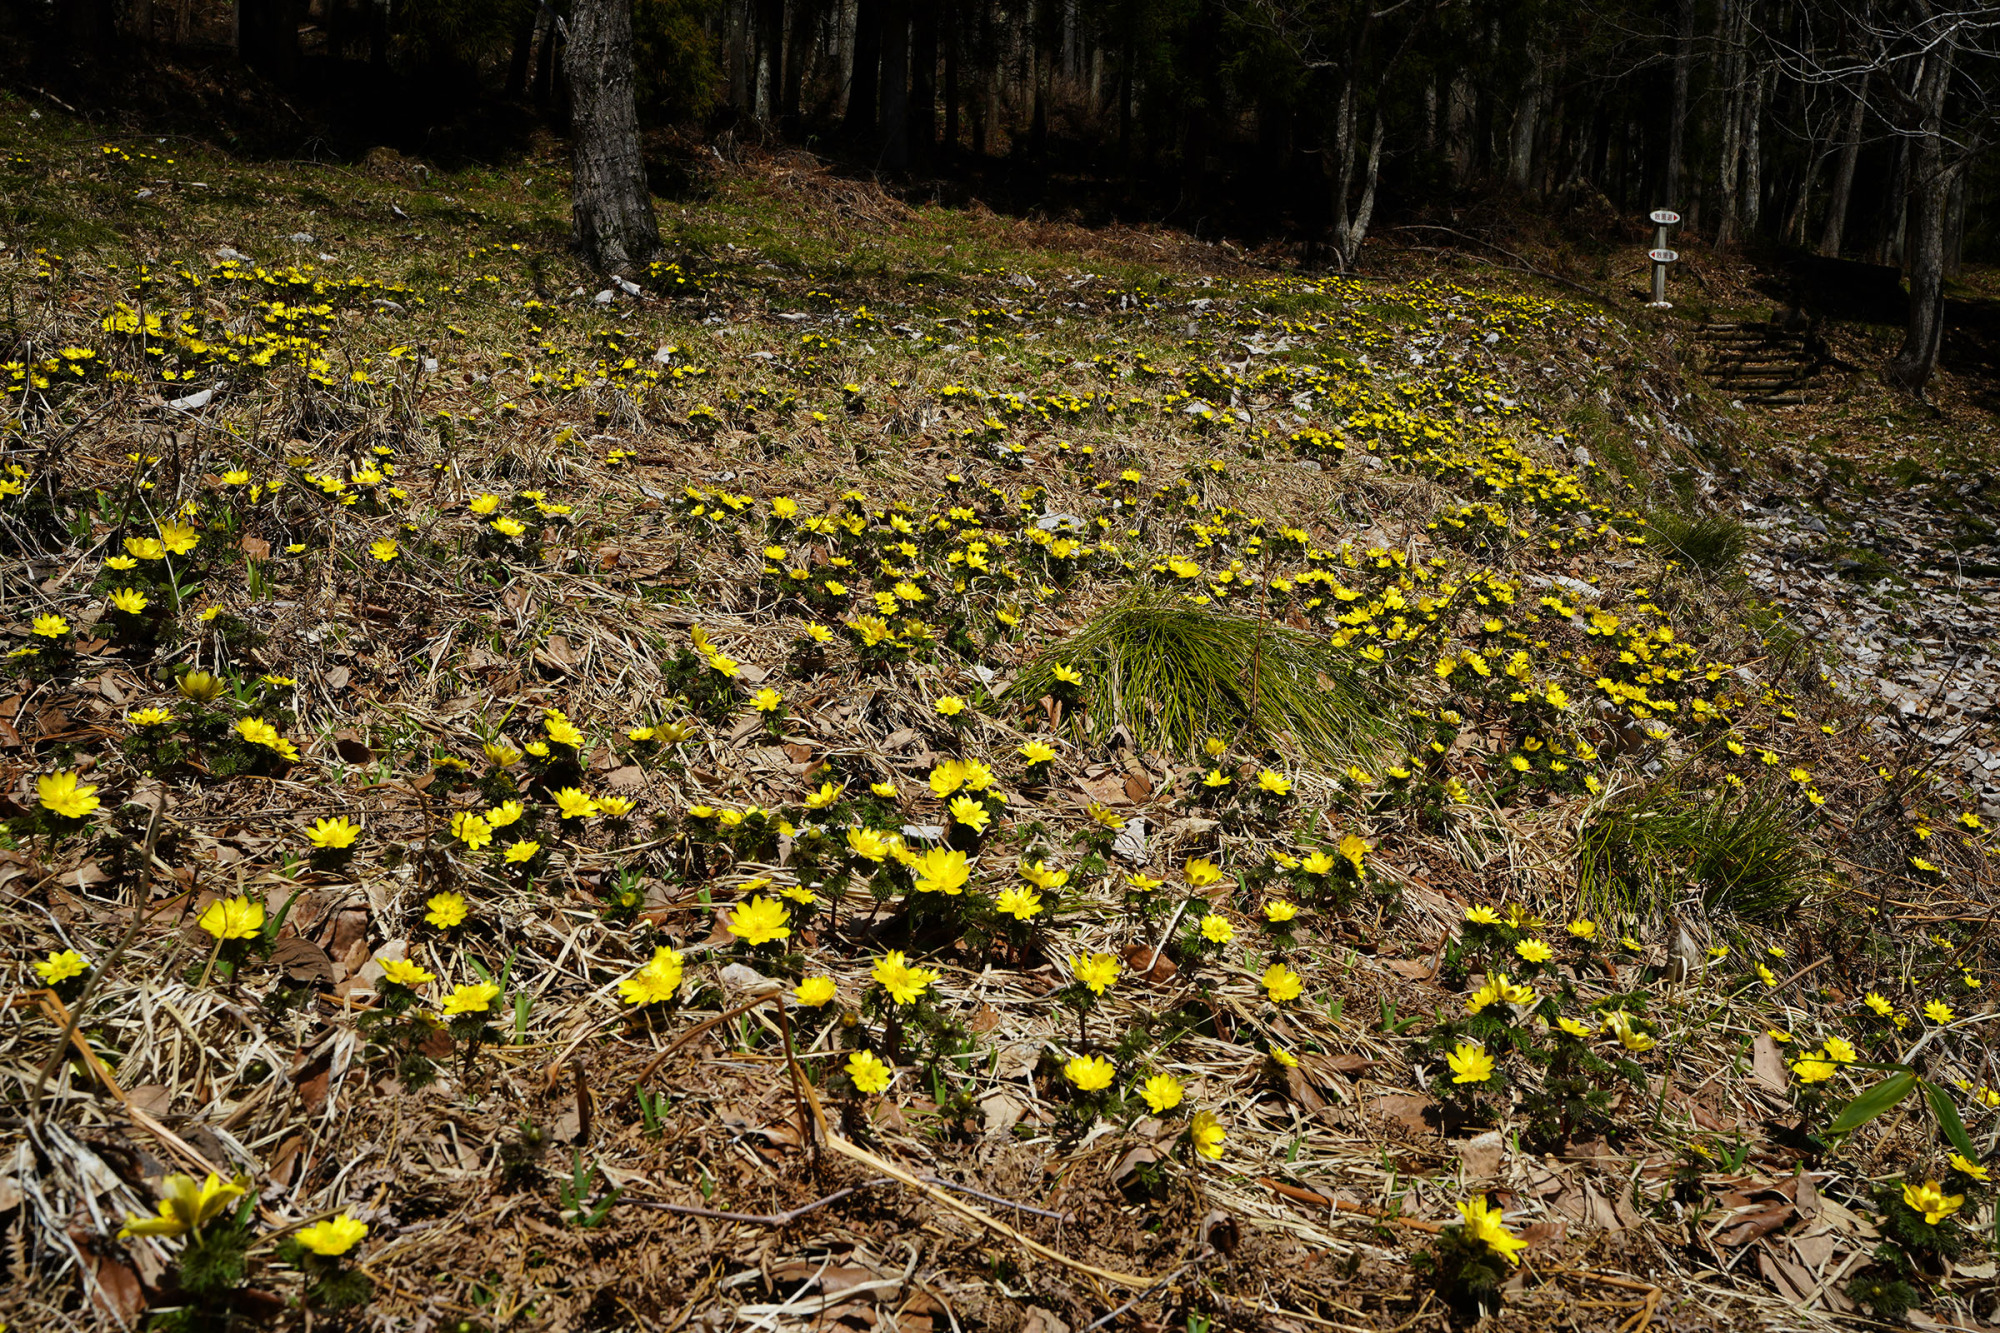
(1343, 1206)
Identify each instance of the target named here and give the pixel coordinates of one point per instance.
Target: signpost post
(1662, 218)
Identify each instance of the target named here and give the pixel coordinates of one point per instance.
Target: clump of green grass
(1175, 673)
(1742, 853)
(1711, 543)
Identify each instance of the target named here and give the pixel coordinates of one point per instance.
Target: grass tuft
(1175, 673)
(1743, 854)
(1712, 543)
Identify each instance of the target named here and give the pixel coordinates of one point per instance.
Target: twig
(758, 1219)
(1343, 1206)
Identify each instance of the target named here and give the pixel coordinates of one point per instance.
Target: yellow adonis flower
(657, 980)
(1485, 1225)
(867, 1072)
(1469, 1063)
(760, 921)
(257, 731)
(767, 700)
(503, 814)
(1812, 1069)
(1090, 1073)
(1274, 783)
(1354, 851)
(331, 835)
(1938, 1011)
(522, 851)
(1285, 1059)
(508, 527)
(1202, 872)
(446, 910)
(1278, 910)
(573, 804)
(1216, 929)
(1282, 984)
(129, 600)
(828, 793)
(1098, 971)
(333, 1237)
(63, 794)
(1583, 930)
(1036, 752)
(1965, 1166)
(1931, 1201)
(178, 538)
(405, 973)
(1581, 1031)
(972, 814)
(61, 967)
(1207, 1134)
(470, 829)
(867, 844)
(501, 754)
(1020, 902)
(885, 790)
(950, 705)
(1619, 1024)
(1533, 951)
(815, 991)
(1162, 1093)
(186, 1206)
(477, 998)
(941, 870)
(903, 982)
(149, 717)
(384, 550)
(232, 918)
(614, 807)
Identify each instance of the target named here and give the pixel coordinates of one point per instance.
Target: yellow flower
(1469, 1064)
(659, 979)
(1282, 984)
(1533, 951)
(1574, 1028)
(950, 705)
(867, 1072)
(767, 700)
(1274, 783)
(186, 1206)
(483, 504)
(973, 814)
(1035, 752)
(521, 851)
(814, 991)
(574, 804)
(149, 717)
(1619, 1023)
(1216, 929)
(1090, 1073)
(1354, 850)
(257, 731)
(1019, 902)
(129, 600)
(1162, 1093)
(1938, 1011)
(179, 538)
(1583, 930)
(1207, 1134)
(232, 918)
(145, 548)
(405, 973)
(617, 807)
(1840, 1051)
(941, 870)
(1967, 1167)
(885, 790)
(384, 550)
(446, 910)
(474, 999)
(471, 830)
(561, 730)
(1319, 863)
(1284, 1057)
(1098, 971)
(867, 844)
(827, 794)
(508, 527)
(1932, 1202)
(1486, 1225)
(903, 982)
(333, 1237)
(1278, 910)
(501, 753)
(1216, 778)
(64, 795)
(760, 921)
(333, 834)
(1202, 872)
(1812, 1069)
(61, 967)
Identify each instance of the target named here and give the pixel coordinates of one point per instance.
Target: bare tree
(613, 213)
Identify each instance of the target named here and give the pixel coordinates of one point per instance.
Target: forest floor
(919, 770)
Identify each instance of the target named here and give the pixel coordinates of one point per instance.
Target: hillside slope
(929, 771)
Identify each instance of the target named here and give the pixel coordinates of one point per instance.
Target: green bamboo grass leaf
(1873, 1102)
(1948, 1121)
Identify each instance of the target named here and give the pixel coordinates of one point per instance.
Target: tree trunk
(545, 60)
(613, 214)
(1843, 175)
(524, 49)
(1521, 160)
(1930, 188)
(923, 81)
(865, 79)
(1357, 230)
(1753, 155)
(895, 87)
(1677, 124)
(804, 18)
(768, 64)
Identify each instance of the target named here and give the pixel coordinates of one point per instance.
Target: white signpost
(1661, 218)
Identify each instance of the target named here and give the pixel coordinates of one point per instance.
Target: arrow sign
(1663, 256)
(1666, 217)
